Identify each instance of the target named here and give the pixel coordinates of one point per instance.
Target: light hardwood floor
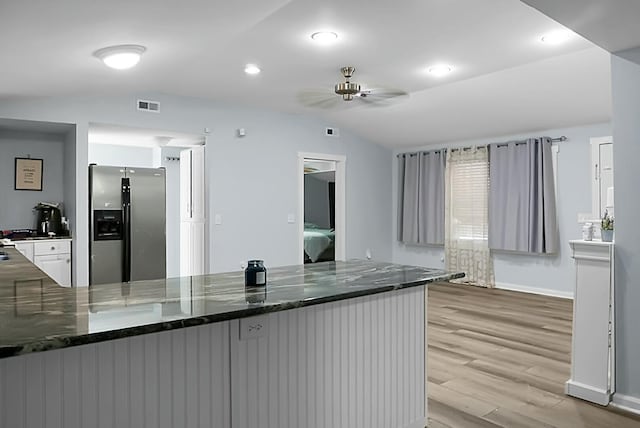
(500, 359)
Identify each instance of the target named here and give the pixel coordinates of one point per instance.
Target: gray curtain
(421, 198)
(522, 202)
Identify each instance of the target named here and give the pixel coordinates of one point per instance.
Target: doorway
(321, 231)
(116, 145)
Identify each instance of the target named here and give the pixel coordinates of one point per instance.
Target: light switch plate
(291, 218)
(217, 219)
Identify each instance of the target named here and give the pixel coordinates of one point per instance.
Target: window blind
(469, 187)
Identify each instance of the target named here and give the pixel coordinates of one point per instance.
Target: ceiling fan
(351, 91)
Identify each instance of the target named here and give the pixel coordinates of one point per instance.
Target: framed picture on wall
(28, 174)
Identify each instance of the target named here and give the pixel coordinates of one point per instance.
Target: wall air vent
(146, 105)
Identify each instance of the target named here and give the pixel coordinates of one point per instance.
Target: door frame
(340, 209)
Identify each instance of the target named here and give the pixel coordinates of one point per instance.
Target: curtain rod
(553, 140)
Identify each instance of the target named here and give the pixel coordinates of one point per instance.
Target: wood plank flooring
(500, 359)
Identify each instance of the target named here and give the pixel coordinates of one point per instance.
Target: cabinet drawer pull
(53, 248)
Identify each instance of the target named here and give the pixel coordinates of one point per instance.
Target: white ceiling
(611, 24)
(504, 81)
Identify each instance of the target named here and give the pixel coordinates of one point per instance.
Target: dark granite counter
(38, 315)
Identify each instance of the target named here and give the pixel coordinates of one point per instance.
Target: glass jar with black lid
(255, 274)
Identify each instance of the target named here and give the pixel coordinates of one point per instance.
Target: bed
(319, 243)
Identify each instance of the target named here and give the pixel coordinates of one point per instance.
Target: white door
(602, 174)
(192, 212)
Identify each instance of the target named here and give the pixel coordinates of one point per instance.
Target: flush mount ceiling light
(556, 37)
(120, 57)
(251, 69)
(324, 37)
(440, 70)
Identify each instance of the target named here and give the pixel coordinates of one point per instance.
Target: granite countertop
(38, 315)
(11, 241)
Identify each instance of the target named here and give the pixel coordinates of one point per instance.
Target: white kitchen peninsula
(334, 344)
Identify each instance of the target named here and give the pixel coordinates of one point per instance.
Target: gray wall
(316, 201)
(251, 182)
(626, 136)
(70, 180)
(552, 274)
(16, 207)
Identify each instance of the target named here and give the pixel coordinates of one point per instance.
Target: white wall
(251, 181)
(551, 274)
(118, 155)
(172, 169)
(626, 136)
(16, 208)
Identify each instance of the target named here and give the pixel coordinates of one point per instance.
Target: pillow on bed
(308, 225)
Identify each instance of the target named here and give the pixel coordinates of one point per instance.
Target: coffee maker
(48, 219)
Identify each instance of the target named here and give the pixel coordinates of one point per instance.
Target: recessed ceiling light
(556, 37)
(440, 70)
(251, 69)
(324, 36)
(120, 57)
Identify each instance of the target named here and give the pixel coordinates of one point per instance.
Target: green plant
(607, 221)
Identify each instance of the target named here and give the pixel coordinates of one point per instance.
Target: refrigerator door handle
(126, 214)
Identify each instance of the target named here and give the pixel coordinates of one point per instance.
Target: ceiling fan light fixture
(440, 70)
(252, 69)
(556, 37)
(120, 57)
(347, 88)
(324, 37)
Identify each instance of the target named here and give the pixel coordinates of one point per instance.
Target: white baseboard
(587, 392)
(535, 290)
(626, 402)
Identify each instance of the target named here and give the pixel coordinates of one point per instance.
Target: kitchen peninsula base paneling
(172, 379)
(351, 363)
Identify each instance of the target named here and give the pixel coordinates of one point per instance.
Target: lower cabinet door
(57, 266)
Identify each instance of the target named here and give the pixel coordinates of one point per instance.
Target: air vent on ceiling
(146, 105)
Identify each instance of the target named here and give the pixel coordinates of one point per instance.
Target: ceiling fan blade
(383, 93)
(379, 97)
(318, 99)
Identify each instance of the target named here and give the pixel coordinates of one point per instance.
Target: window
(469, 174)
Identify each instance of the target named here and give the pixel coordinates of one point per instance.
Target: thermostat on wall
(331, 132)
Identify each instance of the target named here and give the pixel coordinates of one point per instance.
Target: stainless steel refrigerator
(127, 224)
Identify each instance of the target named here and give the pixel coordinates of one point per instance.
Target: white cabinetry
(592, 353)
(192, 212)
(26, 248)
(52, 256)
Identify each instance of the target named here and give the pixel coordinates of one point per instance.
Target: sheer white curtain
(466, 216)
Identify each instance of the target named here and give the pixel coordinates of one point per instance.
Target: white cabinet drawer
(51, 247)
